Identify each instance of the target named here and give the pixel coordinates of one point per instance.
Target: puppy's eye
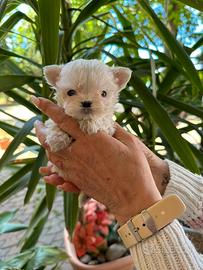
(104, 93)
(71, 92)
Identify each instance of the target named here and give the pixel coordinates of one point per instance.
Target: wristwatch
(151, 220)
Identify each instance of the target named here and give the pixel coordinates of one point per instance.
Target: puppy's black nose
(86, 104)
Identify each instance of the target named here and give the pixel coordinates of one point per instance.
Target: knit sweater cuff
(169, 249)
(189, 187)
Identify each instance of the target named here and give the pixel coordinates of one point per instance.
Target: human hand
(103, 167)
(158, 167)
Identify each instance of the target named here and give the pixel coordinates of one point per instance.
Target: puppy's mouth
(86, 111)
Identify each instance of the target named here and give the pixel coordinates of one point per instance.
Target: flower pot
(124, 263)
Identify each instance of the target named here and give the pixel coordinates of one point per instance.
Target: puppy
(87, 90)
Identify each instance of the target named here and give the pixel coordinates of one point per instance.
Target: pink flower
(90, 232)
(97, 213)
(85, 240)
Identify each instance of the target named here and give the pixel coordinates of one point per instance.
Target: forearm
(168, 249)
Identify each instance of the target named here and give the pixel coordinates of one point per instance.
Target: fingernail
(35, 100)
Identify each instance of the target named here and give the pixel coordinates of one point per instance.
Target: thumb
(122, 135)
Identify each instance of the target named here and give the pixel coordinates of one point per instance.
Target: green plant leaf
(5, 217)
(35, 175)
(167, 127)
(9, 82)
(17, 262)
(36, 225)
(11, 22)
(15, 188)
(3, 5)
(11, 227)
(49, 29)
(15, 183)
(50, 195)
(13, 130)
(198, 154)
(33, 4)
(49, 22)
(28, 126)
(168, 80)
(34, 234)
(197, 4)
(181, 106)
(70, 211)
(173, 45)
(86, 12)
(127, 26)
(4, 52)
(46, 255)
(14, 178)
(198, 44)
(23, 101)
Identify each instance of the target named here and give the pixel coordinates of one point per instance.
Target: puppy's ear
(122, 76)
(51, 74)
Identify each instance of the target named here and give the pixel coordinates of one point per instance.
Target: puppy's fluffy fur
(94, 92)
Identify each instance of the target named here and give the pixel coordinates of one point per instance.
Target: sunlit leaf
(166, 125)
(11, 22)
(193, 3)
(87, 11)
(173, 45)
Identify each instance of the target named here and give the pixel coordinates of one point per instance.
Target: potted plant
(95, 243)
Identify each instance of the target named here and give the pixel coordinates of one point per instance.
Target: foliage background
(160, 40)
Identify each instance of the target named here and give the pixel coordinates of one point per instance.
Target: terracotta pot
(124, 263)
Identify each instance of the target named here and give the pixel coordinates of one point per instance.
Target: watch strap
(149, 221)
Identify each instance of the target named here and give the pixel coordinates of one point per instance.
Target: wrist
(152, 220)
(161, 175)
(135, 208)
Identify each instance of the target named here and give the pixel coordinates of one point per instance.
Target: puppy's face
(87, 89)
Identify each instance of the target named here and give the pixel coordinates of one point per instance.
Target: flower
(85, 239)
(91, 231)
(97, 213)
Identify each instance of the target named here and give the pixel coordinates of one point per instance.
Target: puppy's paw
(56, 138)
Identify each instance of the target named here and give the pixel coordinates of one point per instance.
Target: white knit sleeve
(189, 187)
(169, 249)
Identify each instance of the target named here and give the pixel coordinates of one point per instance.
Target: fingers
(122, 135)
(57, 114)
(68, 187)
(59, 182)
(54, 180)
(45, 170)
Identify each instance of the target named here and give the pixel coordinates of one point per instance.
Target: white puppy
(88, 91)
